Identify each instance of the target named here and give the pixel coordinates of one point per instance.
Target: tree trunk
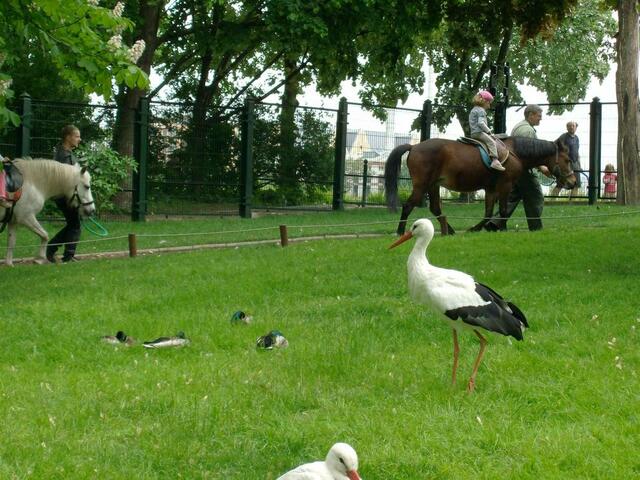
(127, 99)
(627, 96)
(288, 159)
(199, 130)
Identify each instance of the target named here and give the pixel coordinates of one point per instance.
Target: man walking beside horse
(70, 233)
(527, 187)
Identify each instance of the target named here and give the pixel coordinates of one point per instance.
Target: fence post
(246, 158)
(500, 119)
(23, 144)
(284, 236)
(595, 137)
(365, 172)
(140, 153)
(133, 245)
(340, 153)
(426, 120)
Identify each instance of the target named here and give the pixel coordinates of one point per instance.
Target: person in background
(527, 188)
(571, 140)
(610, 180)
(70, 233)
(480, 130)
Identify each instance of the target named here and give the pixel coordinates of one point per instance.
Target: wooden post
(133, 247)
(284, 237)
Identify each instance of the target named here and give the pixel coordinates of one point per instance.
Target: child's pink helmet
(485, 95)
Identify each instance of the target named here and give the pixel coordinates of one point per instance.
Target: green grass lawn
(215, 230)
(364, 365)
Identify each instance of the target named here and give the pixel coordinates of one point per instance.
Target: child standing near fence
(479, 128)
(610, 180)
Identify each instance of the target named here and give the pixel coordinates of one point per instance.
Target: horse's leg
(436, 208)
(503, 206)
(413, 201)
(32, 224)
(11, 242)
(489, 202)
(407, 208)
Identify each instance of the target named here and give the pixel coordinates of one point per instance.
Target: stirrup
(496, 165)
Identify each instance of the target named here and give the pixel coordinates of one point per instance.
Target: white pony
(44, 179)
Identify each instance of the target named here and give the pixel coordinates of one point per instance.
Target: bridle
(76, 195)
(556, 172)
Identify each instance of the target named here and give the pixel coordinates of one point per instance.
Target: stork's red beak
(402, 239)
(353, 475)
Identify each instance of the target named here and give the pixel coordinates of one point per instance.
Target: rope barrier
(120, 237)
(335, 225)
(151, 235)
(559, 217)
(343, 224)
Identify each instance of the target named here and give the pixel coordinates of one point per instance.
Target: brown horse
(458, 166)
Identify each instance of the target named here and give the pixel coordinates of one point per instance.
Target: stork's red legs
(472, 380)
(456, 351)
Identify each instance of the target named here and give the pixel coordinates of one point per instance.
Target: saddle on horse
(10, 184)
(503, 151)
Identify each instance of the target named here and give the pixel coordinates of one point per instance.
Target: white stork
(456, 295)
(341, 464)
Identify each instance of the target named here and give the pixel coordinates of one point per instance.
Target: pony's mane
(533, 148)
(46, 172)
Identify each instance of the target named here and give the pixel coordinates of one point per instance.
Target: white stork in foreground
(456, 295)
(341, 464)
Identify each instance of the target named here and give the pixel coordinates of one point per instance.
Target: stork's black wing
(497, 315)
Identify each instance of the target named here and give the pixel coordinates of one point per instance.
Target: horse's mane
(46, 173)
(533, 148)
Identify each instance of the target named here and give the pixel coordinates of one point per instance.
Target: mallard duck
(273, 339)
(119, 338)
(178, 341)
(241, 317)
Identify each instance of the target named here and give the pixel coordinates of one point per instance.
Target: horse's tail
(391, 174)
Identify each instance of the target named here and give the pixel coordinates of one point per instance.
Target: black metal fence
(191, 164)
(236, 161)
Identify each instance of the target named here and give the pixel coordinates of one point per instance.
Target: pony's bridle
(555, 171)
(80, 202)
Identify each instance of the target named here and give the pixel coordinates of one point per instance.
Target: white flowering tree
(83, 39)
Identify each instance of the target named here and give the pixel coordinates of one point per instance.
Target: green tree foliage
(212, 54)
(37, 75)
(561, 60)
(81, 39)
(220, 52)
(108, 170)
(312, 162)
